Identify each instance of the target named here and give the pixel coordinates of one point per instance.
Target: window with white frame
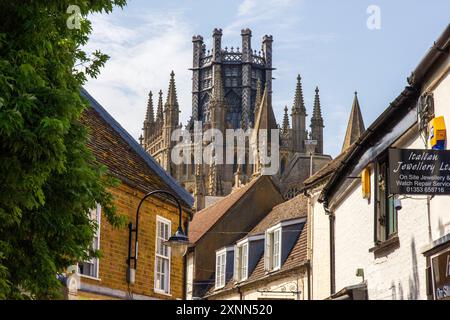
(241, 262)
(273, 249)
(162, 256)
(90, 267)
(221, 259)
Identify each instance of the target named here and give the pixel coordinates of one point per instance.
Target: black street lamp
(178, 242)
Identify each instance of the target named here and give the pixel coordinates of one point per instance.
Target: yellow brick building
(159, 274)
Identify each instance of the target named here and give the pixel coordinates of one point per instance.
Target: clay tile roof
(123, 156)
(328, 169)
(293, 208)
(206, 218)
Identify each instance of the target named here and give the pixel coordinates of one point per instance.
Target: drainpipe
(309, 244)
(332, 248)
(308, 270)
(184, 291)
(240, 292)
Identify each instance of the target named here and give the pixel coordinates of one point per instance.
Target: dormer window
(241, 262)
(279, 240)
(272, 250)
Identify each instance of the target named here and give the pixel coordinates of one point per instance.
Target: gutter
(439, 48)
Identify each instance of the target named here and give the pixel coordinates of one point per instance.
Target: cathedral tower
(232, 89)
(241, 70)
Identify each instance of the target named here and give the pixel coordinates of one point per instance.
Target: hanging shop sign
(440, 266)
(415, 171)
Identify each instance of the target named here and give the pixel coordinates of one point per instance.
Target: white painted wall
(320, 255)
(398, 275)
(440, 206)
(189, 275)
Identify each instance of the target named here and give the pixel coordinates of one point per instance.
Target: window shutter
(277, 262)
(217, 269)
(267, 249)
(236, 263)
(244, 261)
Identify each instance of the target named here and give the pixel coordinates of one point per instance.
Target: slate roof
(204, 219)
(292, 209)
(114, 147)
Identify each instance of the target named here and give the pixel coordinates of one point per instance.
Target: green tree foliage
(49, 179)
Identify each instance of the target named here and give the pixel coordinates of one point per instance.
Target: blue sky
(326, 41)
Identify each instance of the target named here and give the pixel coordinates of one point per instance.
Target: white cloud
(246, 7)
(141, 58)
(252, 13)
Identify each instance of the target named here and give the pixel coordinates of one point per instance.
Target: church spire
(265, 119)
(317, 112)
(160, 112)
(299, 104)
(172, 100)
(299, 133)
(148, 122)
(317, 123)
(355, 126)
(149, 116)
(285, 120)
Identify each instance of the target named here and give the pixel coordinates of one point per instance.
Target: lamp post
(178, 242)
(310, 147)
